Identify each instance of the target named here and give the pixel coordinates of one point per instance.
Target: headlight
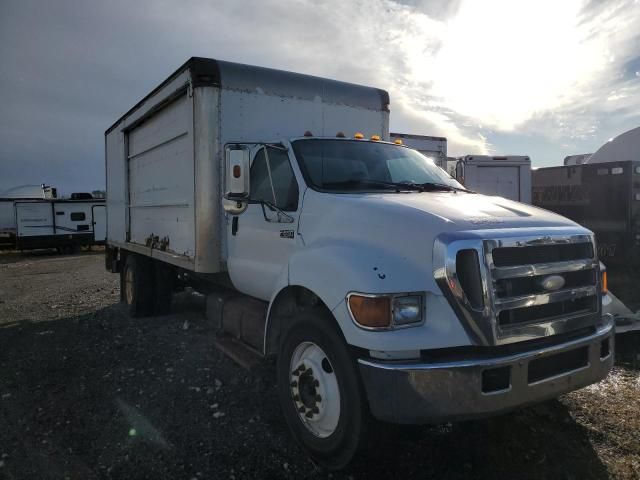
(407, 310)
(385, 311)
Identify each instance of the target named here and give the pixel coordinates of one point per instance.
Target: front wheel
(320, 391)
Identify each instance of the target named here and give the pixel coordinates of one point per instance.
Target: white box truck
(384, 288)
(433, 147)
(505, 176)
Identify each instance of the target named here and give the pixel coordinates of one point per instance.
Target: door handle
(234, 226)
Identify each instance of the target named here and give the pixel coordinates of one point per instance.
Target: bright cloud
(545, 78)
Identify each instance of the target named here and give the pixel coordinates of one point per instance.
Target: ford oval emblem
(553, 282)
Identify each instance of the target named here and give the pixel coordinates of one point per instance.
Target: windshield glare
(355, 165)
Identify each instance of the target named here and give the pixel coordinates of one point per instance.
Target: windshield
(355, 165)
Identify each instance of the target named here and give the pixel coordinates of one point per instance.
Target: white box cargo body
(503, 176)
(433, 147)
(165, 157)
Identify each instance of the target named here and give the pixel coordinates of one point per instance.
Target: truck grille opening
(510, 256)
(469, 276)
(510, 287)
(549, 311)
(553, 365)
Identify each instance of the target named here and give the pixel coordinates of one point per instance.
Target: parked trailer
(381, 285)
(504, 176)
(604, 197)
(62, 224)
(7, 224)
(8, 227)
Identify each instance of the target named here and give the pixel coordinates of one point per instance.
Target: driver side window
(285, 186)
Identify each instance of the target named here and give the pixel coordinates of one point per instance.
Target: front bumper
(469, 388)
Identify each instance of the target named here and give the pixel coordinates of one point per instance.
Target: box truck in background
(383, 288)
(504, 176)
(432, 147)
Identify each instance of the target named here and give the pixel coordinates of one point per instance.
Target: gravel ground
(86, 392)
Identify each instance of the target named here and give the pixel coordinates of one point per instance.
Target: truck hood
(475, 211)
(435, 211)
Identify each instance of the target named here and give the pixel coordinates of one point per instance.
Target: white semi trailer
(505, 176)
(384, 288)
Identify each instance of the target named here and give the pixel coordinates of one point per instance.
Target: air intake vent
(509, 256)
(469, 276)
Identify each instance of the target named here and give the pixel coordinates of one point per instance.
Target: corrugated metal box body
(165, 157)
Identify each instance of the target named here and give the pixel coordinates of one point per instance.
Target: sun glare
(500, 62)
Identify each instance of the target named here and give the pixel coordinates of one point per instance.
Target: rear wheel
(137, 285)
(320, 391)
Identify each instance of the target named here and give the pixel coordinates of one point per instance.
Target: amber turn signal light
(371, 312)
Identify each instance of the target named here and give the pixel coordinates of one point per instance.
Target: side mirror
(236, 192)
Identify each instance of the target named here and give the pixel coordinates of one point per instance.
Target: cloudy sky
(535, 77)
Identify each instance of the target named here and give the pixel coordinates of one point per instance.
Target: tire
(137, 285)
(164, 277)
(331, 444)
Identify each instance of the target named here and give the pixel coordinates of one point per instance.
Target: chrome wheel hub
(314, 389)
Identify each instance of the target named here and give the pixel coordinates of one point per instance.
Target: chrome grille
(532, 285)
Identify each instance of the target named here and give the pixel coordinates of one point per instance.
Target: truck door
(99, 222)
(261, 239)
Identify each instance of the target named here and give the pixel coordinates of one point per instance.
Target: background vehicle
(504, 176)
(8, 225)
(604, 196)
(62, 224)
(382, 286)
(432, 147)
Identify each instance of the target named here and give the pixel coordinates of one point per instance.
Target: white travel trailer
(504, 176)
(62, 224)
(382, 286)
(8, 211)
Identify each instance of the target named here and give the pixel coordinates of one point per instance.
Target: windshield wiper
(375, 183)
(432, 186)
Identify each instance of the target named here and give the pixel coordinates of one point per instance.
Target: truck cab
(383, 288)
